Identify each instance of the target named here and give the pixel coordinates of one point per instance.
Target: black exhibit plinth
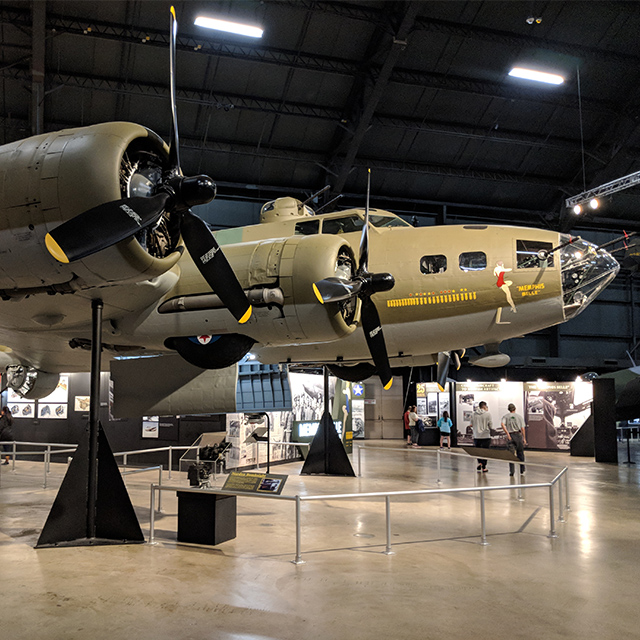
(327, 454)
(113, 519)
(206, 518)
(604, 420)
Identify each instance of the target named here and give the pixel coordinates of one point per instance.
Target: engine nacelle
(53, 177)
(30, 383)
(293, 265)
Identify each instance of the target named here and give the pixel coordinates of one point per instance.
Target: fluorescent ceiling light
(230, 27)
(538, 76)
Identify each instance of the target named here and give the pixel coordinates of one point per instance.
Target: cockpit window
(531, 254)
(347, 224)
(473, 261)
(307, 227)
(387, 221)
(433, 264)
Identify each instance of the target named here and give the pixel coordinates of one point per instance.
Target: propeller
(444, 361)
(363, 285)
(109, 223)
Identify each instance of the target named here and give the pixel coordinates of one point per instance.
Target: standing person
(514, 427)
(6, 432)
(481, 422)
(445, 424)
(413, 419)
(407, 430)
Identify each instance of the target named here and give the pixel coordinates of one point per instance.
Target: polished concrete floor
(441, 582)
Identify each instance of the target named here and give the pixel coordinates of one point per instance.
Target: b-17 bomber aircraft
(104, 212)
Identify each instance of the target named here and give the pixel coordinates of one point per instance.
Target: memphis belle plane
(104, 213)
(295, 288)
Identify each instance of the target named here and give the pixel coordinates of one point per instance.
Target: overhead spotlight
(538, 20)
(537, 76)
(229, 27)
(530, 20)
(594, 203)
(577, 209)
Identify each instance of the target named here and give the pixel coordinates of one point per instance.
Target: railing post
(170, 460)
(159, 491)
(13, 453)
(560, 503)
(438, 481)
(152, 517)
(519, 494)
(388, 550)
(47, 453)
(483, 519)
(298, 558)
(552, 515)
(566, 487)
(359, 461)
(125, 457)
(48, 459)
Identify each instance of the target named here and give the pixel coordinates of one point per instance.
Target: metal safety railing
(564, 471)
(387, 495)
(46, 451)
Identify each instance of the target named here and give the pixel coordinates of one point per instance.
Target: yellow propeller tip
(55, 250)
(246, 316)
(440, 387)
(388, 385)
(173, 12)
(317, 292)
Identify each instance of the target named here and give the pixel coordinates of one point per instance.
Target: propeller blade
(444, 360)
(457, 357)
(375, 339)
(336, 289)
(363, 265)
(174, 152)
(214, 266)
(103, 226)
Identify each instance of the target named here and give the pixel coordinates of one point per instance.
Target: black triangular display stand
(115, 518)
(327, 454)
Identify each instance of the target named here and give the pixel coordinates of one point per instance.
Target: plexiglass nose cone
(586, 271)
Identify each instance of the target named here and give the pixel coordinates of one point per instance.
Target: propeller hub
(376, 282)
(197, 190)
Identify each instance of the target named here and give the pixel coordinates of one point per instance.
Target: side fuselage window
(473, 261)
(307, 227)
(531, 254)
(433, 264)
(348, 224)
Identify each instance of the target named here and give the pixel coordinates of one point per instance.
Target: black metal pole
(94, 413)
(325, 373)
(629, 461)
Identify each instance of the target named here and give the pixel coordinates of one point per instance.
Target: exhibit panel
(246, 451)
(431, 403)
(497, 395)
(555, 411)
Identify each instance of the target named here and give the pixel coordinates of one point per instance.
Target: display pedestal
(429, 437)
(206, 518)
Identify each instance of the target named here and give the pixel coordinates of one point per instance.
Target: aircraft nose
(586, 271)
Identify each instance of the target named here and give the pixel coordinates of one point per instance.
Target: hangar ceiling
(418, 91)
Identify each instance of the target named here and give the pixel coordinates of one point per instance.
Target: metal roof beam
(397, 47)
(232, 101)
(281, 57)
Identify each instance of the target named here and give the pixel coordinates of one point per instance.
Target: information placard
(255, 482)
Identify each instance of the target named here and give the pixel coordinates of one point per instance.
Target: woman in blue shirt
(445, 424)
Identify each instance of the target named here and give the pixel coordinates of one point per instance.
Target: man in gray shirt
(481, 423)
(514, 427)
